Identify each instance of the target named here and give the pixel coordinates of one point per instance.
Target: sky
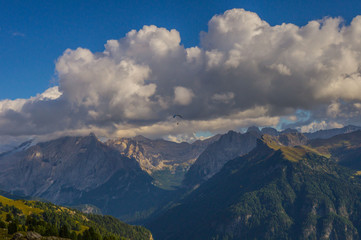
(121, 68)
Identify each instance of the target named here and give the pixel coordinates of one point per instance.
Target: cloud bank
(245, 72)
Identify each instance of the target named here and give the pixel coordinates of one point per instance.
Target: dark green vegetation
(51, 220)
(274, 192)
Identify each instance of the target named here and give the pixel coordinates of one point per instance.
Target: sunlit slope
(50, 220)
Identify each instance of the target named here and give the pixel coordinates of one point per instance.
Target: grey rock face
(60, 170)
(228, 147)
(18, 236)
(270, 131)
(159, 154)
(33, 236)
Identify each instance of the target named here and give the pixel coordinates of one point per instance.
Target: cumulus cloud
(182, 95)
(245, 72)
(315, 126)
(223, 97)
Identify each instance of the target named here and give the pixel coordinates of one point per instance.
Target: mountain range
(274, 192)
(260, 184)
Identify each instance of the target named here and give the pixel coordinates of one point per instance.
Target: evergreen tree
(9, 218)
(12, 228)
(73, 236)
(109, 238)
(86, 235)
(64, 231)
(2, 224)
(94, 234)
(51, 230)
(80, 237)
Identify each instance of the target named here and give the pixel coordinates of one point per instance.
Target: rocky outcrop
(229, 146)
(159, 154)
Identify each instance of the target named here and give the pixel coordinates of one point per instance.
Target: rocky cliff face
(51, 169)
(165, 161)
(159, 154)
(214, 157)
(80, 170)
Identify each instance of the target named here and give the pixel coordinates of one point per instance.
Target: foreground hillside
(274, 192)
(36, 218)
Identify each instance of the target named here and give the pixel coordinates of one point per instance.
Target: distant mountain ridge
(233, 144)
(324, 134)
(137, 178)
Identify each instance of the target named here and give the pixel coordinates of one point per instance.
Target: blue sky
(33, 34)
(223, 65)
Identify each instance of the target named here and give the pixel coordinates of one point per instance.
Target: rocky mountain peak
(270, 131)
(140, 138)
(229, 146)
(254, 130)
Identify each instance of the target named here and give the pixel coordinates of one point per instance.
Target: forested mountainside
(274, 192)
(22, 219)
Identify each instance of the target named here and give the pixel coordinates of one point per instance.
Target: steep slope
(81, 170)
(232, 145)
(344, 148)
(165, 161)
(21, 147)
(49, 220)
(228, 146)
(274, 192)
(63, 168)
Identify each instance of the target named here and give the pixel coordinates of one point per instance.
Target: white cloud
(245, 72)
(282, 69)
(223, 97)
(316, 126)
(182, 95)
(333, 109)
